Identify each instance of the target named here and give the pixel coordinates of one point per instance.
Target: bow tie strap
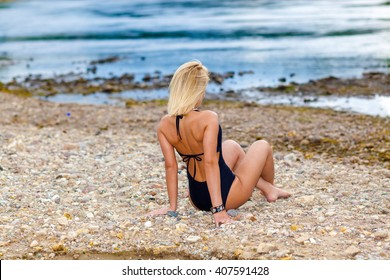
(187, 158)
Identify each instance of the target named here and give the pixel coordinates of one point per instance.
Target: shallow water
(299, 40)
(310, 39)
(375, 106)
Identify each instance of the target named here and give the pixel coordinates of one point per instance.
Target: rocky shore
(370, 84)
(77, 180)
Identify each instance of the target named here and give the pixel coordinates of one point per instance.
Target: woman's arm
(211, 158)
(170, 173)
(170, 169)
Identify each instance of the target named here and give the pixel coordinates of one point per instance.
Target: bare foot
(270, 192)
(275, 194)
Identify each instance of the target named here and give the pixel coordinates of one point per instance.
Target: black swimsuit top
(195, 157)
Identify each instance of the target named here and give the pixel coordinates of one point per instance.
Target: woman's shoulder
(210, 114)
(164, 121)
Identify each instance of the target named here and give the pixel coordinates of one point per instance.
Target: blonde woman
(220, 175)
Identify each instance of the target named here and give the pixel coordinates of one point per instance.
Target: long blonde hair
(187, 87)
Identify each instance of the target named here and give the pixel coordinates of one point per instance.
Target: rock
(148, 224)
(290, 157)
(17, 145)
(264, 248)
(352, 251)
(56, 198)
(88, 189)
(172, 214)
(181, 227)
(382, 234)
(62, 182)
(321, 219)
(76, 256)
(305, 142)
(247, 255)
(90, 215)
(306, 199)
(238, 252)
(283, 253)
(233, 212)
(193, 238)
(70, 146)
(63, 221)
(58, 247)
(302, 238)
(330, 213)
(34, 243)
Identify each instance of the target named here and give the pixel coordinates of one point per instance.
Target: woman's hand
(222, 218)
(161, 211)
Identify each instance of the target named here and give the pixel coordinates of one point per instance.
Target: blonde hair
(187, 87)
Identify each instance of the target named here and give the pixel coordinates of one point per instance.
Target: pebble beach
(77, 182)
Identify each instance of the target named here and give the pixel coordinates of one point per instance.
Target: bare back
(186, 135)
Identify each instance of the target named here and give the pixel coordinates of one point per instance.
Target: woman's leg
(255, 169)
(233, 155)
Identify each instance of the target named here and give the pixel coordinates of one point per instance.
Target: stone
(233, 212)
(56, 198)
(246, 255)
(352, 251)
(302, 238)
(193, 238)
(381, 234)
(172, 214)
(70, 146)
(34, 243)
(290, 157)
(148, 224)
(264, 248)
(63, 221)
(306, 199)
(90, 215)
(181, 227)
(321, 219)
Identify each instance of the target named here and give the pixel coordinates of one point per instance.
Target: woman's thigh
(248, 173)
(232, 153)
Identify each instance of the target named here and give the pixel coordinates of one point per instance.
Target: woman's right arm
(170, 173)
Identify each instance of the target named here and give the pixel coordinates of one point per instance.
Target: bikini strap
(178, 118)
(187, 158)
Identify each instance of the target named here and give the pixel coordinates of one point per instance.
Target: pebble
(90, 215)
(34, 243)
(321, 219)
(172, 214)
(181, 227)
(290, 157)
(106, 185)
(263, 248)
(148, 224)
(63, 221)
(233, 212)
(56, 198)
(302, 238)
(352, 251)
(381, 234)
(193, 238)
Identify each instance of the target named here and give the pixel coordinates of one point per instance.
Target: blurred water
(296, 39)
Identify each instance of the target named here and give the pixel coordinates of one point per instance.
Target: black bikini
(199, 192)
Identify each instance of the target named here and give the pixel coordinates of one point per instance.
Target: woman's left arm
(170, 173)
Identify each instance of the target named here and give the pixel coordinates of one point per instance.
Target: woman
(221, 176)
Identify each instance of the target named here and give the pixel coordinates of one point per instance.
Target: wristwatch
(217, 209)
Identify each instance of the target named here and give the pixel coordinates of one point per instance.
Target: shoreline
(77, 180)
(370, 84)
